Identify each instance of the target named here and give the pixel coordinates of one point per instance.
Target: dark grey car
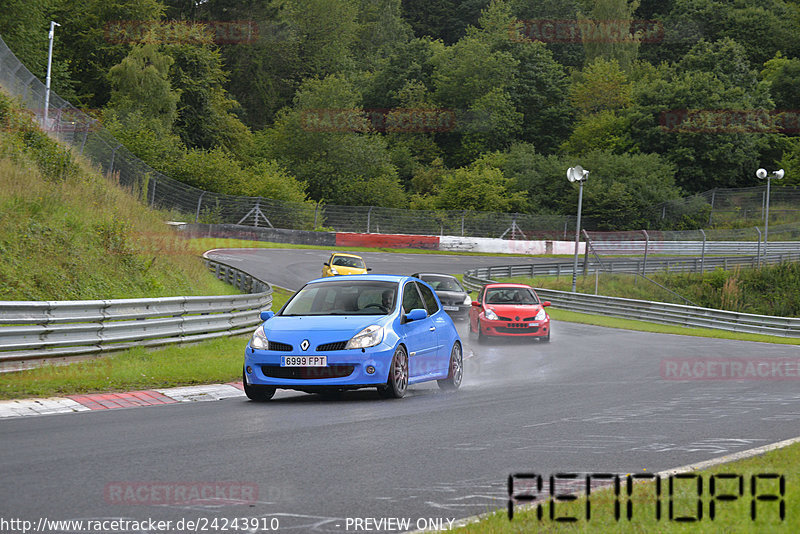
(455, 299)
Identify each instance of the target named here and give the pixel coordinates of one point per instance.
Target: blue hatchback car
(382, 331)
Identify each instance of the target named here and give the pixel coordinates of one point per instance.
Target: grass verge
(730, 515)
(213, 361)
(644, 326)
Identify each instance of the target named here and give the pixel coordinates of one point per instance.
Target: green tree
(783, 74)
(479, 187)
(88, 45)
(140, 82)
(602, 85)
(606, 32)
(206, 117)
(713, 78)
(325, 140)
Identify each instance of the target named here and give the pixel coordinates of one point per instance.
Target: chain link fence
(735, 206)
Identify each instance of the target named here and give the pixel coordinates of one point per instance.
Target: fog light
(249, 370)
(370, 370)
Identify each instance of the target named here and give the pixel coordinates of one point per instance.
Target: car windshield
(347, 261)
(343, 298)
(511, 295)
(442, 283)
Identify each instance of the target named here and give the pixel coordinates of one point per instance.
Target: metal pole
(646, 244)
(51, 35)
(711, 213)
(197, 213)
(703, 253)
(577, 238)
(766, 219)
(369, 216)
(758, 249)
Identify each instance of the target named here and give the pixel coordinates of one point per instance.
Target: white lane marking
(51, 405)
(210, 392)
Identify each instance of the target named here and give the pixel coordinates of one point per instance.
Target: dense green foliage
(435, 104)
(66, 233)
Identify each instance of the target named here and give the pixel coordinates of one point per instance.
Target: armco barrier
(46, 329)
(693, 248)
(659, 312)
(623, 265)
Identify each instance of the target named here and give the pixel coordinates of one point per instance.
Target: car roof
(435, 274)
(362, 277)
(507, 284)
(346, 254)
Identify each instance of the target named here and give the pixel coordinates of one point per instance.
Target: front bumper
(515, 328)
(346, 369)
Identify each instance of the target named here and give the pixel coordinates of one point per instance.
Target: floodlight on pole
(577, 174)
(49, 68)
(762, 174)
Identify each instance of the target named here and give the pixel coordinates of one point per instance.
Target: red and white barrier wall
(459, 244)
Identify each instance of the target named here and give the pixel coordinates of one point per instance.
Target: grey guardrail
(694, 248)
(659, 312)
(31, 330)
(624, 265)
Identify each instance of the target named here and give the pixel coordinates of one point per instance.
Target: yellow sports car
(340, 263)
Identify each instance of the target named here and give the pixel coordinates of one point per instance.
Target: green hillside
(66, 232)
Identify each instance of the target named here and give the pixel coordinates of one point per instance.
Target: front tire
(546, 339)
(397, 384)
(257, 393)
(481, 336)
(456, 370)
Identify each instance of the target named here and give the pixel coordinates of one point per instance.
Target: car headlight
(490, 314)
(369, 337)
(259, 340)
(541, 316)
(467, 299)
(334, 271)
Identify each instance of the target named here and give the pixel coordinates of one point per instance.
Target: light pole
(762, 174)
(49, 66)
(577, 174)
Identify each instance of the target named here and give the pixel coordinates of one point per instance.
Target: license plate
(533, 324)
(304, 361)
(450, 308)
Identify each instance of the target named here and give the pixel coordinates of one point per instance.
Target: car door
(419, 336)
(440, 358)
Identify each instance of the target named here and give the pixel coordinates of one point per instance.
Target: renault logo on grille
(304, 345)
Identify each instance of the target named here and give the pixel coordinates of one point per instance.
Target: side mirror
(326, 264)
(369, 269)
(476, 303)
(267, 315)
(416, 314)
(545, 304)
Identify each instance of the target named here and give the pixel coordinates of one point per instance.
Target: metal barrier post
(646, 244)
(702, 253)
(758, 249)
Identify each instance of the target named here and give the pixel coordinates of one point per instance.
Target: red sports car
(509, 310)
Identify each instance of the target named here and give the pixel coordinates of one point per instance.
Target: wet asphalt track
(592, 400)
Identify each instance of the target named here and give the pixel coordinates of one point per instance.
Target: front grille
(517, 328)
(500, 318)
(338, 345)
(277, 345)
(307, 373)
(530, 318)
